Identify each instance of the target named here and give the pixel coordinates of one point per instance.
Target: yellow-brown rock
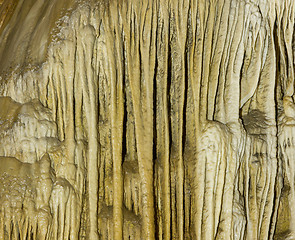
(151, 119)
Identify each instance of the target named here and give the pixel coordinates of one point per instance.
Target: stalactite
(114, 47)
(162, 136)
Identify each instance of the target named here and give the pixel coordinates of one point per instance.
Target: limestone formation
(147, 119)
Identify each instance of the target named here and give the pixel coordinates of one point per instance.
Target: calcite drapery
(147, 119)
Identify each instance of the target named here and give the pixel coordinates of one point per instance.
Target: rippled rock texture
(160, 119)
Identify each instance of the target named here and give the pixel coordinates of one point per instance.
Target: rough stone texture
(160, 119)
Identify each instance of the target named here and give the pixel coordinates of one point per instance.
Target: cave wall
(147, 119)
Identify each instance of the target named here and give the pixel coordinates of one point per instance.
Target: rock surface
(147, 119)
